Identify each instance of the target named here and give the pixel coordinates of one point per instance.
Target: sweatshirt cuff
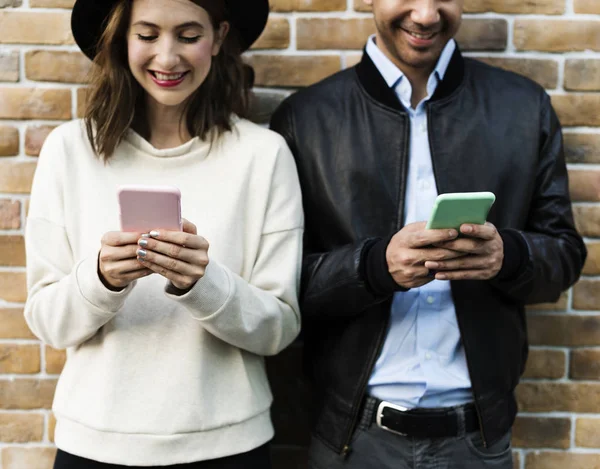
(208, 295)
(515, 254)
(93, 290)
(377, 276)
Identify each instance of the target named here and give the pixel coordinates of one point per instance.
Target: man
(416, 338)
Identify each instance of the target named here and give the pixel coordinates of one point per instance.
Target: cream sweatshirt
(152, 378)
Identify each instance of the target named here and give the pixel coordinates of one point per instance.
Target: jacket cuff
(376, 273)
(515, 254)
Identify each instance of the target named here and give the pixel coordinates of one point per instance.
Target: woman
(165, 337)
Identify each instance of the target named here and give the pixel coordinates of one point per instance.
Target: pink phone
(145, 208)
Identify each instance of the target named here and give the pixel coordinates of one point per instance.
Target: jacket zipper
(380, 340)
(363, 387)
(477, 408)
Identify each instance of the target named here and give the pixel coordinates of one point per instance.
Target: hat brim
(88, 20)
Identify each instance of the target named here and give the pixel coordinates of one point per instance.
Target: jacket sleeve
(555, 252)
(67, 302)
(347, 280)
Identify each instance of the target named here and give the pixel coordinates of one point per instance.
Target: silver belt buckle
(380, 408)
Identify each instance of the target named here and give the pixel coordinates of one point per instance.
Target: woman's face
(170, 46)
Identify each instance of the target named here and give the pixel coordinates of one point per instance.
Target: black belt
(425, 423)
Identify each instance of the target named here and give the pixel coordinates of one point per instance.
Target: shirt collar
(391, 73)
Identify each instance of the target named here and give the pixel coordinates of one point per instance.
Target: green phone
(453, 209)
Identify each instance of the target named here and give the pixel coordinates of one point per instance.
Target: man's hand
(117, 264)
(412, 247)
(180, 256)
(484, 253)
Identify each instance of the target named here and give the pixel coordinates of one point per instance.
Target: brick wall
(555, 42)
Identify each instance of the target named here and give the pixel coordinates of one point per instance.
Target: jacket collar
(375, 85)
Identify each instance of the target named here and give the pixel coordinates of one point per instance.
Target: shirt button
(430, 299)
(427, 356)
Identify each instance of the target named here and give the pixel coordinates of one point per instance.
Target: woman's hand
(180, 256)
(117, 264)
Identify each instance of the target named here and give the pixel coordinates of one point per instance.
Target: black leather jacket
(489, 130)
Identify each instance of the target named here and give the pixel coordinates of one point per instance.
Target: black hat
(248, 17)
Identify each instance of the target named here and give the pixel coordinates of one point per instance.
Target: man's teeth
(164, 77)
(421, 36)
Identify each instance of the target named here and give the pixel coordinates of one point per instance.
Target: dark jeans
(258, 458)
(375, 448)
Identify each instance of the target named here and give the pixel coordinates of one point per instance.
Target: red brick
(10, 214)
(59, 66)
(577, 109)
(582, 74)
(9, 66)
(307, 5)
(55, 360)
(559, 460)
(12, 251)
(21, 428)
(483, 34)
(541, 432)
(27, 393)
(19, 359)
(540, 7)
(586, 296)
(9, 141)
(275, 36)
(35, 136)
(558, 397)
(35, 103)
(556, 35)
(584, 185)
(16, 176)
(29, 27)
(587, 219)
(13, 287)
(545, 364)
(13, 325)
(587, 433)
(592, 263)
(293, 71)
(545, 72)
(51, 3)
(28, 458)
(333, 33)
(563, 329)
(582, 148)
(587, 6)
(585, 364)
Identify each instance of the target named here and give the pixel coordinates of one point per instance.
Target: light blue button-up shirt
(422, 363)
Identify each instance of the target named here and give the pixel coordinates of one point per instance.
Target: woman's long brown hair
(116, 101)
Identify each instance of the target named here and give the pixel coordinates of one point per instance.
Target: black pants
(258, 458)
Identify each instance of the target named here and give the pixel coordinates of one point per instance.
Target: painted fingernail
(143, 242)
(145, 235)
(154, 234)
(141, 253)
